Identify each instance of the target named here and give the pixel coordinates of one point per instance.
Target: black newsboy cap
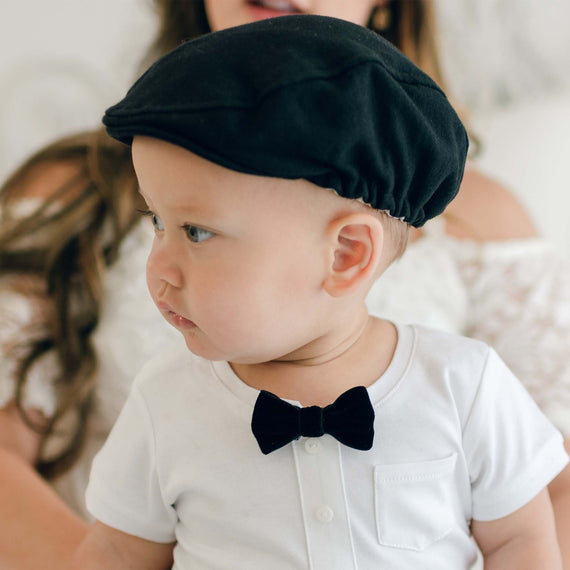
(306, 97)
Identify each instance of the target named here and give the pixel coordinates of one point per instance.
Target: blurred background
(507, 62)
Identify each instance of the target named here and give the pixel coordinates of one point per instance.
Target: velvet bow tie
(350, 419)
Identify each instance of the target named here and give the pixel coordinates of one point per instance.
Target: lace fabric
(513, 295)
(424, 286)
(520, 304)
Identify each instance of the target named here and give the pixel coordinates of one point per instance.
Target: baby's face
(238, 260)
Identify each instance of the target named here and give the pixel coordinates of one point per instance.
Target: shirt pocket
(414, 502)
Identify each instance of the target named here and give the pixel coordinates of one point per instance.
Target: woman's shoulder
(485, 210)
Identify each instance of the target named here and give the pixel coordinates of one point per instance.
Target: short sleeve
(511, 448)
(124, 489)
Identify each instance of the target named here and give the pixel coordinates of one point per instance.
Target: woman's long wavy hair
(62, 248)
(81, 224)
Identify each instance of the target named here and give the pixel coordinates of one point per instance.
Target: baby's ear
(356, 242)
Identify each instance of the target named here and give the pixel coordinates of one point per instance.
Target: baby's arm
(525, 539)
(106, 548)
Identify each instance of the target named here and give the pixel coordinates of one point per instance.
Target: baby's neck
(359, 359)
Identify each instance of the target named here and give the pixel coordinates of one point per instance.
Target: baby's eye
(156, 222)
(196, 234)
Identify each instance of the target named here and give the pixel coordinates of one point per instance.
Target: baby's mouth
(181, 322)
(277, 5)
(176, 319)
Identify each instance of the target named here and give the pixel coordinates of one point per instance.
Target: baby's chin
(214, 354)
(199, 346)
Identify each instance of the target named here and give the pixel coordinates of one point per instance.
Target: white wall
(508, 61)
(62, 62)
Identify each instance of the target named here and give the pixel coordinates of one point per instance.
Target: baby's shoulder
(457, 362)
(450, 348)
(454, 367)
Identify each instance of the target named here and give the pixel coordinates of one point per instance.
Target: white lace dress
(513, 295)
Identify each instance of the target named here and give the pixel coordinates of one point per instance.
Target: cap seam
(271, 90)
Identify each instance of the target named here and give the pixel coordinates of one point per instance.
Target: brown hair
(179, 21)
(410, 26)
(62, 247)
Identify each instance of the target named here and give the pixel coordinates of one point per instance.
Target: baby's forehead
(306, 97)
(163, 167)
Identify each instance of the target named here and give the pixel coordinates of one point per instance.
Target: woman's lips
(263, 9)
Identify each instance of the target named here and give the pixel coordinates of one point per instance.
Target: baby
(283, 163)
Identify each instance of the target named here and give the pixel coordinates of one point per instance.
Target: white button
(313, 445)
(325, 514)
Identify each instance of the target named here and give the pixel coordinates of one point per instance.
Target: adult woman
(85, 223)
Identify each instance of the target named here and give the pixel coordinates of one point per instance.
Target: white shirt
(456, 437)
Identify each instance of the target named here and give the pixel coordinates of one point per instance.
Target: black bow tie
(350, 419)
